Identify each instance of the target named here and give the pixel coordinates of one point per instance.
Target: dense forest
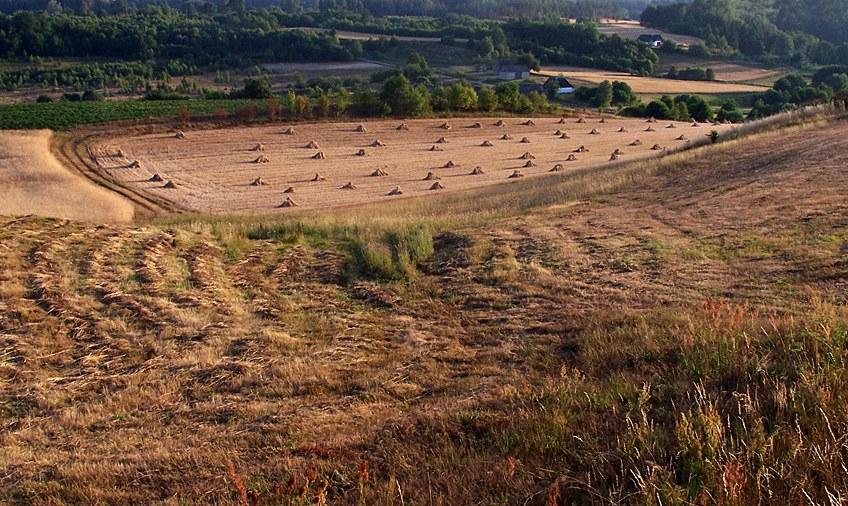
(484, 9)
(813, 30)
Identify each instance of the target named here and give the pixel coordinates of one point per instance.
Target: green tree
(462, 97)
(487, 99)
(603, 95)
(291, 102)
(342, 101)
(401, 99)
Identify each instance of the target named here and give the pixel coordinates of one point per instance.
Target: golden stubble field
(212, 170)
(32, 181)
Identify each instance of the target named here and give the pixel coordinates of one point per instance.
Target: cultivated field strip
(212, 170)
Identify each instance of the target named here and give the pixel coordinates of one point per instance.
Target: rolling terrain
(664, 332)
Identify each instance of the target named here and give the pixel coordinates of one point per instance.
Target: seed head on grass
(236, 484)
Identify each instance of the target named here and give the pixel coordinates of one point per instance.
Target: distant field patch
(285, 68)
(648, 85)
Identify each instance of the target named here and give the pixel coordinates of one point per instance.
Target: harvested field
(648, 85)
(213, 168)
(32, 181)
(571, 343)
(632, 29)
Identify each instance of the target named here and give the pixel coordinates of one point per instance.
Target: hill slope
(683, 338)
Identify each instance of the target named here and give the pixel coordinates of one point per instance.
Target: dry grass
(666, 332)
(33, 182)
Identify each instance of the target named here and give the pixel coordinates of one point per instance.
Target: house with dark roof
(512, 72)
(563, 86)
(651, 39)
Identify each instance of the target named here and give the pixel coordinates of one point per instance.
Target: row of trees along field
(792, 30)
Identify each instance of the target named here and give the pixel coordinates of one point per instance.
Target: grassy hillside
(665, 333)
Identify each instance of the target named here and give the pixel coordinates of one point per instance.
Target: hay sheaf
(650, 129)
(379, 173)
(437, 186)
(170, 185)
(581, 120)
(258, 182)
(431, 177)
(441, 140)
(349, 186)
(288, 203)
(318, 177)
(561, 120)
(402, 126)
(529, 122)
(527, 156)
(436, 148)
(477, 171)
(594, 132)
(312, 145)
(179, 135)
(506, 137)
(681, 138)
(396, 191)
(445, 126)
(500, 123)
(378, 144)
(657, 147)
(622, 130)
(155, 178)
(450, 165)
(290, 189)
(557, 168)
(486, 144)
(289, 131)
(361, 152)
(582, 149)
(361, 128)
(258, 147)
(571, 158)
(637, 142)
(525, 140)
(261, 159)
(516, 174)
(318, 156)
(475, 125)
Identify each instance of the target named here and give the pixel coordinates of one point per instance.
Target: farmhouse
(651, 39)
(562, 85)
(513, 72)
